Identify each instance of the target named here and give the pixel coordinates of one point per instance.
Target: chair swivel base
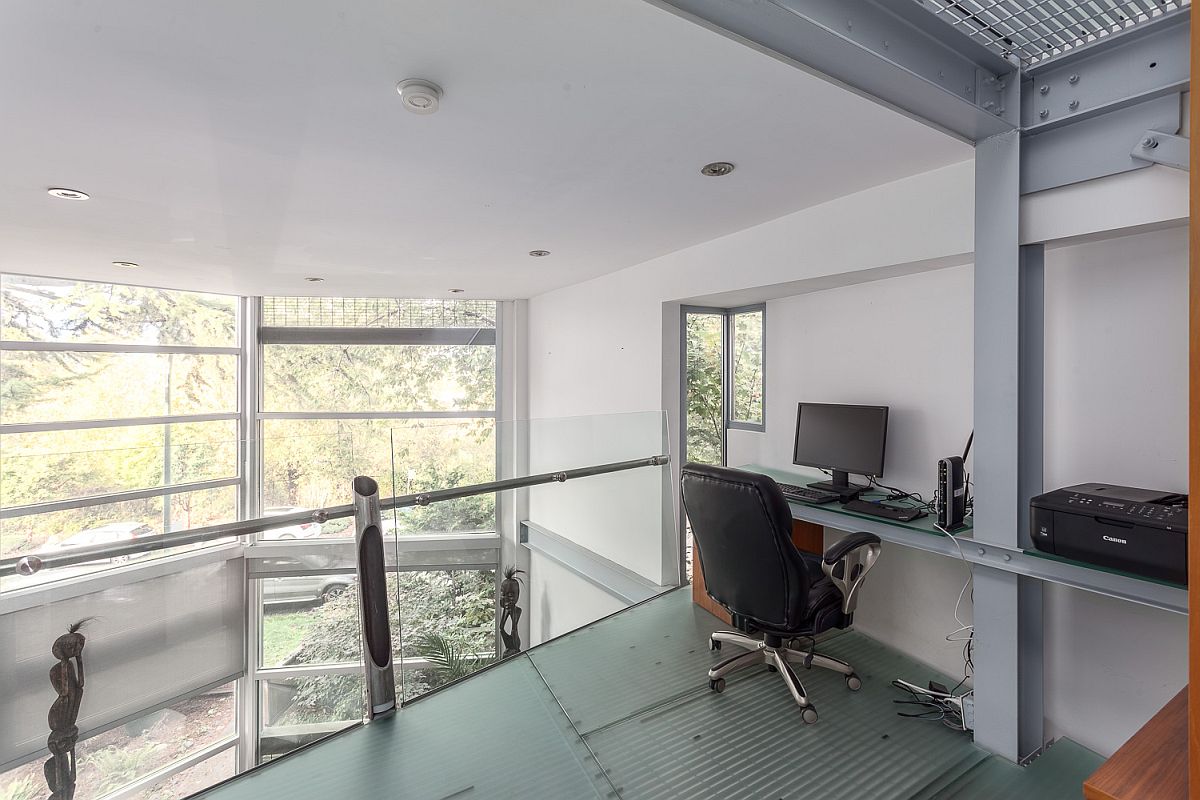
(771, 651)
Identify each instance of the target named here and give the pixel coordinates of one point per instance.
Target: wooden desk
(808, 529)
(1152, 765)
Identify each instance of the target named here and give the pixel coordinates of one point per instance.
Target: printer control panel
(1167, 515)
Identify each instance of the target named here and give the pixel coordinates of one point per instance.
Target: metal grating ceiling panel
(1034, 30)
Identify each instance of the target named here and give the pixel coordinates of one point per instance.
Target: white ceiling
(239, 146)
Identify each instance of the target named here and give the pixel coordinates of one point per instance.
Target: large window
(118, 415)
(129, 412)
(404, 391)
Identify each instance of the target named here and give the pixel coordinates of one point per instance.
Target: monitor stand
(841, 486)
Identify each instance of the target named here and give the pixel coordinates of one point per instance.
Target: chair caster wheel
(714, 644)
(772, 668)
(853, 682)
(809, 715)
(717, 684)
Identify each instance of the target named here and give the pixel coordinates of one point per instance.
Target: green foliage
(118, 766)
(38, 387)
(704, 386)
(22, 789)
(747, 366)
(458, 606)
(452, 658)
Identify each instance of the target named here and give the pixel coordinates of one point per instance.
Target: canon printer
(1134, 530)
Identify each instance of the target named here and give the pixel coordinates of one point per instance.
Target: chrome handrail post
(372, 599)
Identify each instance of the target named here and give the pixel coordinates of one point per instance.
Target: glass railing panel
(618, 516)
(568, 552)
(299, 710)
(310, 464)
(434, 454)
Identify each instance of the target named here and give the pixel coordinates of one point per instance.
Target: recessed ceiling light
(419, 95)
(314, 279)
(716, 169)
(539, 253)
(125, 264)
(67, 194)
(457, 291)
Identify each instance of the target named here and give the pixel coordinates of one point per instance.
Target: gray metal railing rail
(32, 563)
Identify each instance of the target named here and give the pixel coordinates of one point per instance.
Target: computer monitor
(842, 439)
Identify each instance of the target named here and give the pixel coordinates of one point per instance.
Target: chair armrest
(847, 562)
(838, 550)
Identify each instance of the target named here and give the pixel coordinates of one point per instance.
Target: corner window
(724, 377)
(746, 356)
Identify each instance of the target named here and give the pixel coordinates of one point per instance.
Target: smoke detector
(419, 96)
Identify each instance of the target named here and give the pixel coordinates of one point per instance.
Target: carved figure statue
(510, 612)
(67, 679)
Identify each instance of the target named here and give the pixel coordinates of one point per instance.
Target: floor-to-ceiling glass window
(724, 384)
(119, 424)
(403, 391)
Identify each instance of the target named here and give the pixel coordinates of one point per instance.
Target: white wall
(873, 344)
(561, 601)
(1109, 665)
(596, 347)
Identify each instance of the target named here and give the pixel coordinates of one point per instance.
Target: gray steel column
(372, 599)
(1008, 454)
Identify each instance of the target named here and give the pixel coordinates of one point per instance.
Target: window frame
(252, 730)
(165, 491)
(731, 421)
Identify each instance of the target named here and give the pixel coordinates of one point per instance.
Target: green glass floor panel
(642, 657)
(750, 742)
(499, 734)
(1057, 774)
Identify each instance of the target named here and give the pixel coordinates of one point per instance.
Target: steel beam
(1082, 112)
(895, 53)
(1149, 60)
(1007, 462)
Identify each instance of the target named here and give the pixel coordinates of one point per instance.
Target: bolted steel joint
(320, 516)
(1074, 79)
(1149, 143)
(421, 499)
(559, 477)
(28, 565)
(1074, 104)
(1044, 89)
(1045, 112)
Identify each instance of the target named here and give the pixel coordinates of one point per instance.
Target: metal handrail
(30, 564)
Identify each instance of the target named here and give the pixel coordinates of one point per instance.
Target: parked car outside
(303, 530)
(305, 588)
(112, 533)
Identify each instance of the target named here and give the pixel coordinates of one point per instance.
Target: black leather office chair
(742, 531)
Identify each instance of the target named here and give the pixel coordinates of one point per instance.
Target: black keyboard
(808, 495)
(896, 513)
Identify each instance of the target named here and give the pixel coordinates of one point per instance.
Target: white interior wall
(1110, 665)
(561, 601)
(873, 344)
